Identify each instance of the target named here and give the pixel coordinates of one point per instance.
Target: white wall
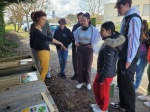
(110, 13)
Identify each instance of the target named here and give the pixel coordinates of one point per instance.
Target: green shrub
(7, 48)
(93, 21)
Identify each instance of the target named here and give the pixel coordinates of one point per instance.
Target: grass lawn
(118, 26)
(22, 33)
(7, 46)
(149, 25)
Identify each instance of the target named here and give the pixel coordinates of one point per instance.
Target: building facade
(111, 14)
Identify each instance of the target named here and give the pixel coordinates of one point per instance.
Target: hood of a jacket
(111, 42)
(133, 10)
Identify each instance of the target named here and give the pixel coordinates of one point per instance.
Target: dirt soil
(63, 91)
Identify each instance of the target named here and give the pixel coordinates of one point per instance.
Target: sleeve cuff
(129, 60)
(101, 79)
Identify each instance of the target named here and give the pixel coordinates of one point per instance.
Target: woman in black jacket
(62, 34)
(106, 65)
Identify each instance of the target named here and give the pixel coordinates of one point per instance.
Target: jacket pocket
(132, 68)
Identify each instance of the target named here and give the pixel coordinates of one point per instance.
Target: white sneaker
(88, 86)
(98, 110)
(147, 104)
(79, 85)
(144, 98)
(135, 90)
(48, 75)
(94, 106)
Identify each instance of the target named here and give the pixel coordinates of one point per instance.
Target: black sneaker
(117, 87)
(63, 76)
(74, 77)
(59, 75)
(116, 106)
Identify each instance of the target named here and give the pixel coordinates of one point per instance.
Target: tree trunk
(2, 25)
(14, 26)
(19, 26)
(27, 21)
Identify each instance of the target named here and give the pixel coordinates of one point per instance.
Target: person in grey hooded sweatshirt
(131, 28)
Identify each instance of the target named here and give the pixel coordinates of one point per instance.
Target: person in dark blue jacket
(74, 51)
(64, 35)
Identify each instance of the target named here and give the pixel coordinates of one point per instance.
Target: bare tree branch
(17, 12)
(95, 7)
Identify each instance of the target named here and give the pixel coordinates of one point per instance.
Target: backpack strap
(125, 33)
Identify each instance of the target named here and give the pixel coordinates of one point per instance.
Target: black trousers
(125, 84)
(85, 60)
(75, 61)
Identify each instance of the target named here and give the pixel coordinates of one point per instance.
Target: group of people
(123, 53)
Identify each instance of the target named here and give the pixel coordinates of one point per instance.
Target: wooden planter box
(16, 96)
(14, 58)
(11, 76)
(14, 62)
(19, 97)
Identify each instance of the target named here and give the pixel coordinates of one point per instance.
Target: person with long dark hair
(46, 31)
(106, 65)
(146, 97)
(38, 41)
(86, 37)
(142, 61)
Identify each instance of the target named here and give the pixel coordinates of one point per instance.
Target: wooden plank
(15, 96)
(50, 106)
(17, 70)
(22, 96)
(21, 91)
(17, 106)
(9, 81)
(13, 80)
(12, 64)
(15, 58)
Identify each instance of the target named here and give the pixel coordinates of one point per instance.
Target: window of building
(146, 10)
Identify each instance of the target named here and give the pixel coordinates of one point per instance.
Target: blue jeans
(141, 64)
(63, 56)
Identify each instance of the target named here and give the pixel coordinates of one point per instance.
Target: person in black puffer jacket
(106, 65)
